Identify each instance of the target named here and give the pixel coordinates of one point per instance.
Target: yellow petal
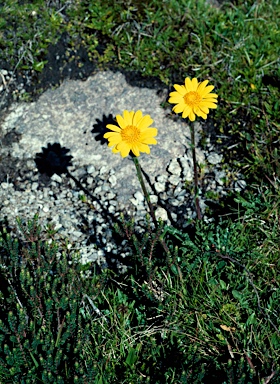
(108, 135)
(180, 89)
(203, 109)
(128, 117)
(149, 132)
(137, 117)
(121, 121)
(179, 108)
(145, 122)
(207, 90)
(207, 104)
(135, 150)
(124, 149)
(192, 116)
(202, 86)
(199, 112)
(144, 148)
(176, 99)
(187, 110)
(113, 141)
(188, 84)
(149, 140)
(209, 100)
(194, 84)
(113, 127)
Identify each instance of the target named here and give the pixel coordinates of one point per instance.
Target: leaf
(174, 269)
(251, 319)
(131, 357)
(39, 65)
(34, 360)
(237, 295)
(223, 284)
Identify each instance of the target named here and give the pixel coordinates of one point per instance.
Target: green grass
(210, 309)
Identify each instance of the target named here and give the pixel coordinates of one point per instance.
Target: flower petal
(202, 86)
(200, 113)
(187, 110)
(188, 84)
(203, 109)
(108, 135)
(194, 84)
(176, 99)
(149, 132)
(144, 148)
(128, 116)
(113, 141)
(122, 123)
(115, 150)
(179, 108)
(211, 96)
(137, 117)
(149, 140)
(124, 148)
(180, 89)
(135, 150)
(145, 122)
(113, 127)
(207, 104)
(192, 116)
(207, 90)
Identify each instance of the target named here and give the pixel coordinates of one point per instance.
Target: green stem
(197, 205)
(147, 197)
(144, 189)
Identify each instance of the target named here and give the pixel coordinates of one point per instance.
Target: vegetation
(209, 308)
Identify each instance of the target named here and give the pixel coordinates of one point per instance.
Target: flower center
(192, 98)
(130, 134)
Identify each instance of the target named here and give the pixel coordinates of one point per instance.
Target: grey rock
(154, 199)
(162, 213)
(56, 178)
(174, 179)
(91, 169)
(174, 167)
(159, 187)
(214, 158)
(239, 185)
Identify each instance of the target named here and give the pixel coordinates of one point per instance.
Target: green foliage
(26, 31)
(42, 329)
(206, 310)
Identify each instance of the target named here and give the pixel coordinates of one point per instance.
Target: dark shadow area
(136, 79)
(272, 80)
(53, 159)
(99, 128)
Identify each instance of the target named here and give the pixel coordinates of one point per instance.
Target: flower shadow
(53, 159)
(99, 128)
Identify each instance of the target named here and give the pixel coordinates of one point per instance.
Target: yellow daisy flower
(193, 98)
(132, 134)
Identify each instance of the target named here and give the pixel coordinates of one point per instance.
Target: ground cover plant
(207, 307)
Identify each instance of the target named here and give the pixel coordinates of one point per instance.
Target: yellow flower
(193, 98)
(132, 134)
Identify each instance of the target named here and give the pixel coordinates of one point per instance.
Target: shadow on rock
(99, 129)
(53, 159)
